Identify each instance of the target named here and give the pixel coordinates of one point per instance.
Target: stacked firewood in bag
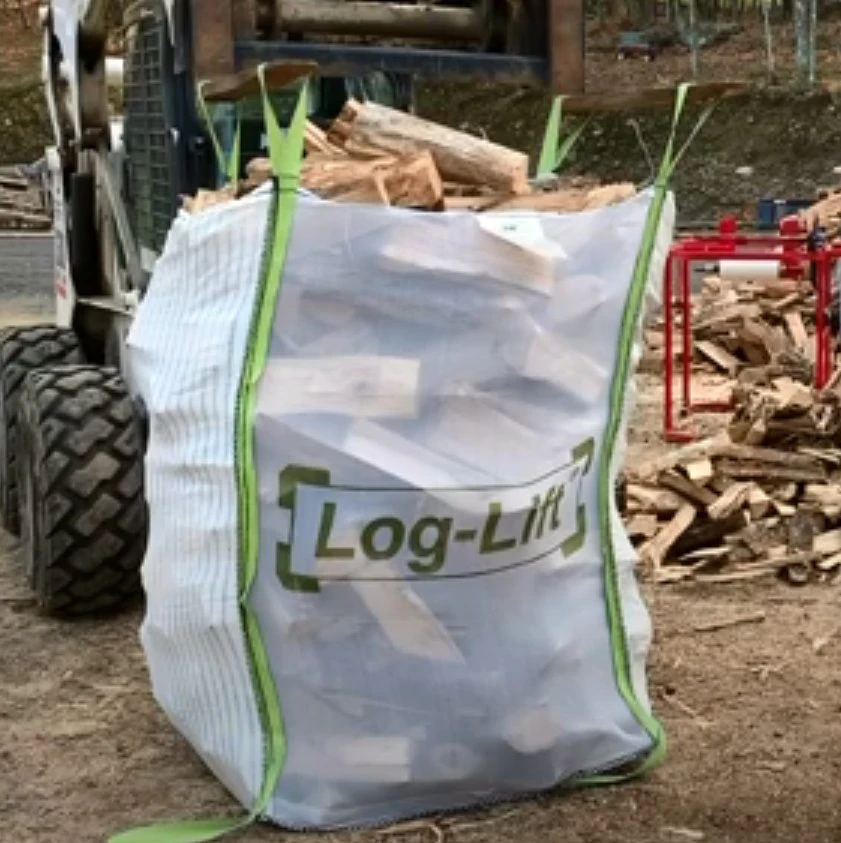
(762, 497)
(379, 155)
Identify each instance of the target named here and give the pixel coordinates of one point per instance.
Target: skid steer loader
(129, 141)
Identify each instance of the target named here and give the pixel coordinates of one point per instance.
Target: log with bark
(460, 157)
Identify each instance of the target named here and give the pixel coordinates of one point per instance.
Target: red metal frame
(795, 255)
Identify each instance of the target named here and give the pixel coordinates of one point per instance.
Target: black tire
(80, 474)
(23, 350)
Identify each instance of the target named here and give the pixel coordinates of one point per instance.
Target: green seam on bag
(630, 318)
(286, 154)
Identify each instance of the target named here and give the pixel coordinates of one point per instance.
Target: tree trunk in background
(801, 35)
(693, 35)
(769, 38)
(813, 40)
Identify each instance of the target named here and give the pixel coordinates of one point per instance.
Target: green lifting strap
(554, 152)
(229, 166)
(286, 152)
(630, 320)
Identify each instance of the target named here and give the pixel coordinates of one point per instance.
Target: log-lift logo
(353, 533)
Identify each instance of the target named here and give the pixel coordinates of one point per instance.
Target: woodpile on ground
(375, 154)
(762, 497)
(20, 203)
(749, 332)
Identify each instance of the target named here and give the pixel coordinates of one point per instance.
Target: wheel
(80, 474)
(21, 351)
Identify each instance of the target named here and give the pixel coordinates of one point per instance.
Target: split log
(315, 140)
(647, 499)
(654, 551)
(693, 492)
(760, 471)
(703, 534)
(412, 181)
(730, 501)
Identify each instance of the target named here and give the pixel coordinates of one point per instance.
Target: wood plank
(717, 355)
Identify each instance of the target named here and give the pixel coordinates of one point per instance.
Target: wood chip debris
(377, 155)
(762, 498)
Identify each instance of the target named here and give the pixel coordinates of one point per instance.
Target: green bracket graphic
(288, 481)
(575, 542)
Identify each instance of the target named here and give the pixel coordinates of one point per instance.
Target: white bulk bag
(386, 575)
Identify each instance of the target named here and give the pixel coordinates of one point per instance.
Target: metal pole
(686, 300)
(668, 398)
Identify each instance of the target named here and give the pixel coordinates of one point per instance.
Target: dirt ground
(752, 712)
